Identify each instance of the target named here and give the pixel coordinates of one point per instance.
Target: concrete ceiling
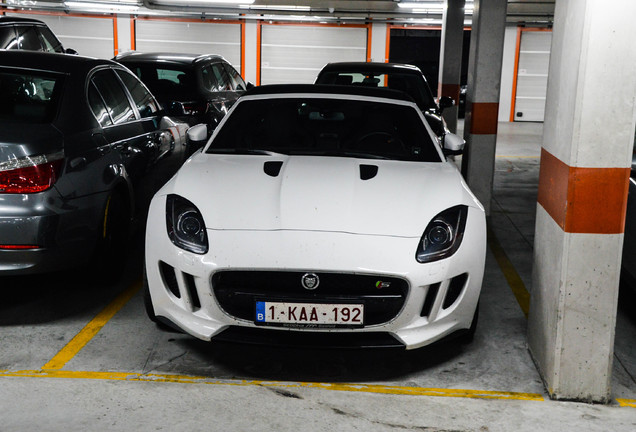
(427, 12)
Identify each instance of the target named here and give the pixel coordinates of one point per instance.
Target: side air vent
(367, 172)
(272, 168)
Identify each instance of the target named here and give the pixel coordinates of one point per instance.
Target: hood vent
(367, 172)
(272, 168)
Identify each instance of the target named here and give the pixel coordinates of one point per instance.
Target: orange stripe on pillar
(583, 200)
(484, 118)
(451, 90)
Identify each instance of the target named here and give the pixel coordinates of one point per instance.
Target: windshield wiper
(342, 153)
(242, 151)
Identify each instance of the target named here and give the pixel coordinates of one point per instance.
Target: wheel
(112, 242)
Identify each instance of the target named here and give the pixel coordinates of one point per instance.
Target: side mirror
(70, 51)
(453, 144)
(198, 132)
(445, 102)
(249, 85)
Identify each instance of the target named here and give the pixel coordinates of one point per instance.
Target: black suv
(28, 34)
(83, 148)
(192, 88)
(403, 77)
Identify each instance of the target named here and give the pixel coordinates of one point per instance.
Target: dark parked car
(403, 77)
(193, 88)
(629, 242)
(83, 147)
(28, 34)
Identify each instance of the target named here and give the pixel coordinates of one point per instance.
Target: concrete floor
(77, 356)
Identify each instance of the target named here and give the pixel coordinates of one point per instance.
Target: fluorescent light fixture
(119, 7)
(276, 7)
(204, 3)
(422, 5)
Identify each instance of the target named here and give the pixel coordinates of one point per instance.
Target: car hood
(319, 193)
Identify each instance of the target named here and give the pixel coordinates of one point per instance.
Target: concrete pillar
(450, 58)
(585, 159)
(124, 34)
(378, 42)
(482, 96)
(250, 47)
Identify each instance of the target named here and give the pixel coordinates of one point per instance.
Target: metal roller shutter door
(532, 75)
(295, 54)
(190, 37)
(88, 36)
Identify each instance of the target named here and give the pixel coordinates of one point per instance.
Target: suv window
(8, 38)
(51, 43)
(114, 96)
(29, 38)
(222, 78)
(238, 82)
(146, 104)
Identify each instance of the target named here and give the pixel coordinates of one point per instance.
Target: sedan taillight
(30, 174)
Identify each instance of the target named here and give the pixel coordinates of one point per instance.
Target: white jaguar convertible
(318, 215)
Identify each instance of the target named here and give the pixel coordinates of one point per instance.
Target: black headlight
(185, 225)
(443, 235)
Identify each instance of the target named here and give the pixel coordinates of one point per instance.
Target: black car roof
(14, 20)
(52, 62)
(174, 58)
(371, 67)
(273, 89)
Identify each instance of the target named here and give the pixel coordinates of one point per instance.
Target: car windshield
(326, 127)
(28, 97)
(411, 84)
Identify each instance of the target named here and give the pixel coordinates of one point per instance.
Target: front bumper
(441, 297)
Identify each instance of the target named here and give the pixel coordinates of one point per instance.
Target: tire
(113, 237)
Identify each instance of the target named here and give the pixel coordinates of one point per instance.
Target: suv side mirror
(249, 85)
(198, 132)
(70, 51)
(453, 144)
(446, 102)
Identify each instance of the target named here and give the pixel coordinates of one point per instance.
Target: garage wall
(193, 37)
(296, 53)
(533, 60)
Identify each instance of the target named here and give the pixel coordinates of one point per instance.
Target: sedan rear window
(28, 97)
(326, 127)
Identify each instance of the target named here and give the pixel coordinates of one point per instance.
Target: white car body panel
(318, 215)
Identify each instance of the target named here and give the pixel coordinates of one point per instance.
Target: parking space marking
(510, 273)
(627, 402)
(365, 388)
(91, 329)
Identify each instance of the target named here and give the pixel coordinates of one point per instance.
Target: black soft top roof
(275, 89)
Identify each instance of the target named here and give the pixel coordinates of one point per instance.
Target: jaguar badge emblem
(310, 281)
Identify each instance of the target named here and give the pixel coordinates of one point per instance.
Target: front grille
(237, 292)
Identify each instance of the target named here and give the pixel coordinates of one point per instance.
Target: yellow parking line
(627, 402)
(510, 273)
(364, 388)
(91, 329)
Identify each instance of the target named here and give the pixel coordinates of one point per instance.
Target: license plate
(309, 314)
